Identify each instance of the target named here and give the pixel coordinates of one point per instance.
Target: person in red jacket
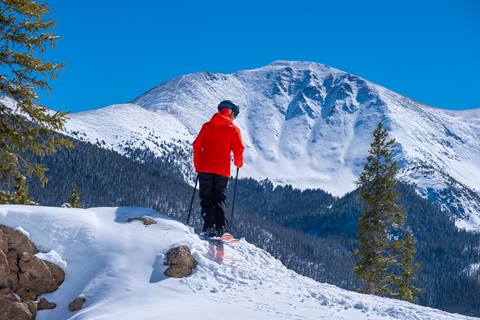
(212, 151)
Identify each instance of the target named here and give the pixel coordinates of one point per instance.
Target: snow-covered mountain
(118, 268)
(305, 124)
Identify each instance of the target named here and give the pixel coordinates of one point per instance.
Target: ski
(227, 238)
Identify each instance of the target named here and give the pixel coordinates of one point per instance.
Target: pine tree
(75, 198)
(405, 261)
(385, 254)
(25, 126)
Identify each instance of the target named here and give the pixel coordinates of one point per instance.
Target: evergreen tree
(75, 198)
(385, 254)
(25, 126)
(405, 261)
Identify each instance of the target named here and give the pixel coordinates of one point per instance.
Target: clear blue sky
(115, 50)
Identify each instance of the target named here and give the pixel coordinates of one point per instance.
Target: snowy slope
(119, 268)
(128, 121)
(306, 124)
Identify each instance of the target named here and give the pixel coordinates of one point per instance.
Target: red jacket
(214, 144)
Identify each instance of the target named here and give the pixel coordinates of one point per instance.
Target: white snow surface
(53, 257)
(118, 267)
(308, 125)
(127, 121)
(25, 232)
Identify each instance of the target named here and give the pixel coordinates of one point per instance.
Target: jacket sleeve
(198, 148)
(237, 147)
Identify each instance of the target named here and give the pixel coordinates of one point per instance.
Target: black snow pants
(213, 188)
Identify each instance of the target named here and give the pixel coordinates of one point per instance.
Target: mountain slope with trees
(305, 124)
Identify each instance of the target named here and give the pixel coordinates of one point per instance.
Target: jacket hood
(221, 117)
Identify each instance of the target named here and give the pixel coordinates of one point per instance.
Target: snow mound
(118, 267)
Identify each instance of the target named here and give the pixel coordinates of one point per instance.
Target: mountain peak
(298, 64)
(310, 125)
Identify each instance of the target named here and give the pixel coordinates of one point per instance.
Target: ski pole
(234, 194)
(191, 201)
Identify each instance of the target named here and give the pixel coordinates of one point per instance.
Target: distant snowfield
(127, 121)
(119, 268)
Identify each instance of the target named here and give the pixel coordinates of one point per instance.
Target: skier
(212, 151)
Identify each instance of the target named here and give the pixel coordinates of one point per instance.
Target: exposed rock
(11, 308)
(27, 294)
(18, 242)
(3, 241)
(76, 304)
(45, 304)
(4, 291)
(12, 260)
(146, 220)
(10, 282)
(178, 271)
(180, 261)
(57, 272)
(4, 267)
(38, 275)
(23, 277)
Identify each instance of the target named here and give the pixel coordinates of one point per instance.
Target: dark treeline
(310, 231)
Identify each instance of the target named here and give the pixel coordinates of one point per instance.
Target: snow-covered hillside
(308, 125)
(118, 267)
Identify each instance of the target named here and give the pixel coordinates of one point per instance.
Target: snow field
(119, 268)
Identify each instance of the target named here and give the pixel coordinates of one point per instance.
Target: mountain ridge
(309, 125)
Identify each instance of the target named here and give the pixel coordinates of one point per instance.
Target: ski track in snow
(118, 267)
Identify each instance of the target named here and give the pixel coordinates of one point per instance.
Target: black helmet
(229, 105)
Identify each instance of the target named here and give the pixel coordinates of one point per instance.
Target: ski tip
(225, 238)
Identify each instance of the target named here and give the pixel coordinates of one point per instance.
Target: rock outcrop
(180, 262)
(12, 308)
(146, 220)
(3, 241)
(4, 268)
(23, 276)
(38, 275)
(76, 304)
(18, 241)
(45, 304)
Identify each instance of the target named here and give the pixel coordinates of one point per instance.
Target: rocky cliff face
(24, 276)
